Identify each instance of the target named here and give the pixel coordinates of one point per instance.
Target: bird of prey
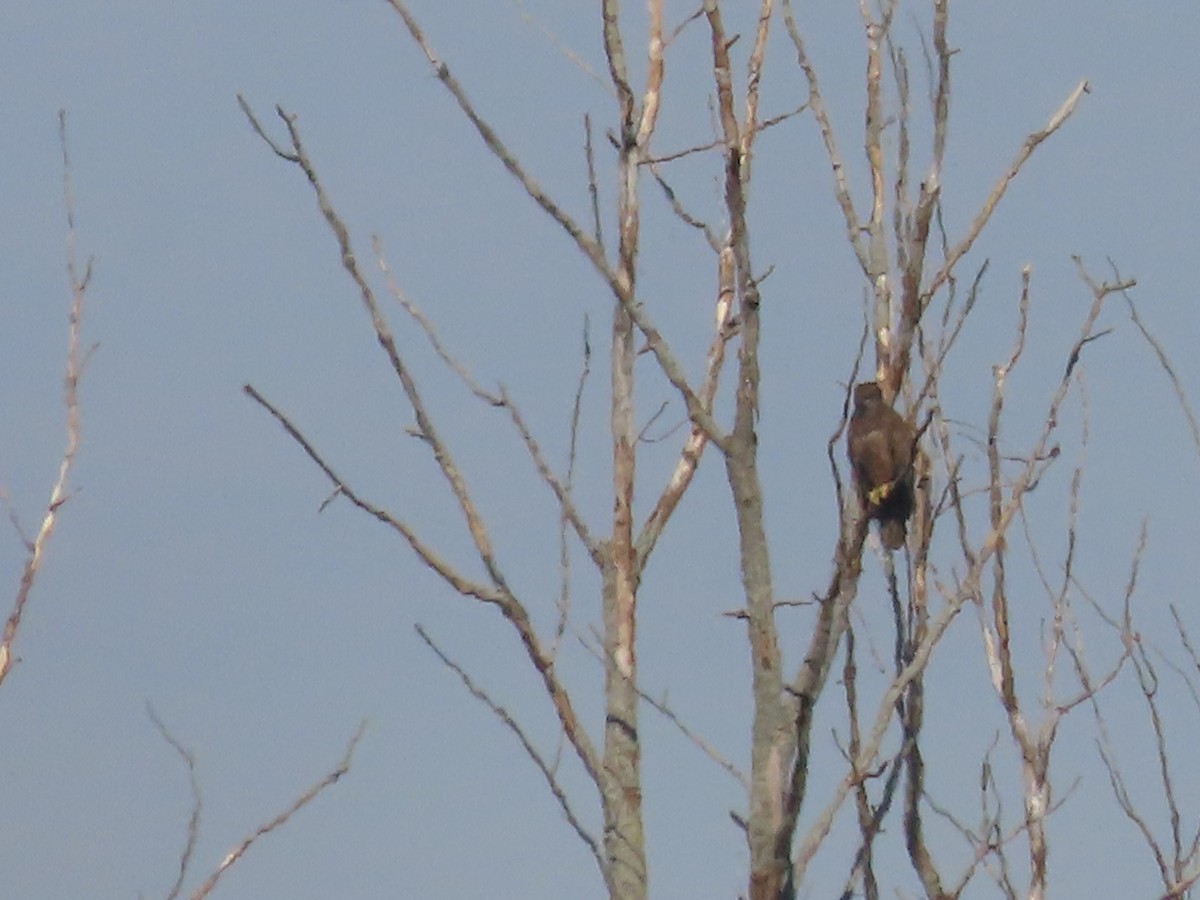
(880, 444)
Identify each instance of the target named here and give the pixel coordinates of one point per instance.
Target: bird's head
(867, 393)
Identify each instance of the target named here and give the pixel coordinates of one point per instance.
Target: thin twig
(266, 828)
(665, 710)
(193, 826)
(562, 492)
(593, 187)
(570, 55)
(449, 574)
(703, 745)
(681, 213)
(1165, 362)
(548, 772)
(500, 400)
(414, 311)
(564, 555)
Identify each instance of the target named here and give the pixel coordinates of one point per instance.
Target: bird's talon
(879, 493)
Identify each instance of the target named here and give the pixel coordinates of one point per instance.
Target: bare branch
(912, 242)
(383, 335)
(698, 411)
(511, 608)
(696, 738)
(501, 400)
(660, 158)
(500, 594)
(587, 244)
(593, 188)
(1165, 362)
(870, 817)
(877, 257)
(450, 575)
(665, 710)
(624, 828)
(569, 54)
(266, 828)
(682, 214)
(698, 436)
(1177, 864)
(754, 66)
(76, 361)
(817, 104)
(422, 320)
(652, 93)
(285, 155)
(564, 555)
(548, 772)
(562, 492)
(193, 827)
(770, 733)
(989, 205)
(885, 709)
(590, 246)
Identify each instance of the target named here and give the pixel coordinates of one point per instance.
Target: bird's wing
(871, 455)
(901, 437)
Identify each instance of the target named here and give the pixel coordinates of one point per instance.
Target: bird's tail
(892, 532)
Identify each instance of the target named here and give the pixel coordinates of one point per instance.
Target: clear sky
(193, 570)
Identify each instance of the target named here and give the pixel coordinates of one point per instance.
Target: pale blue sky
(192, 569)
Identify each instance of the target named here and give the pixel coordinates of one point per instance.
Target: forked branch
(499, 592)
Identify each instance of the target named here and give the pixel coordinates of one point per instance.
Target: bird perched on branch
(880, 444)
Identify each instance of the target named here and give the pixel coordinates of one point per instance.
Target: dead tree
(958, 552)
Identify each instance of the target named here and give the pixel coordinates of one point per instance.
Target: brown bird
(880, 445)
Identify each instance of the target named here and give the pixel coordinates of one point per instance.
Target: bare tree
(971, 491)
